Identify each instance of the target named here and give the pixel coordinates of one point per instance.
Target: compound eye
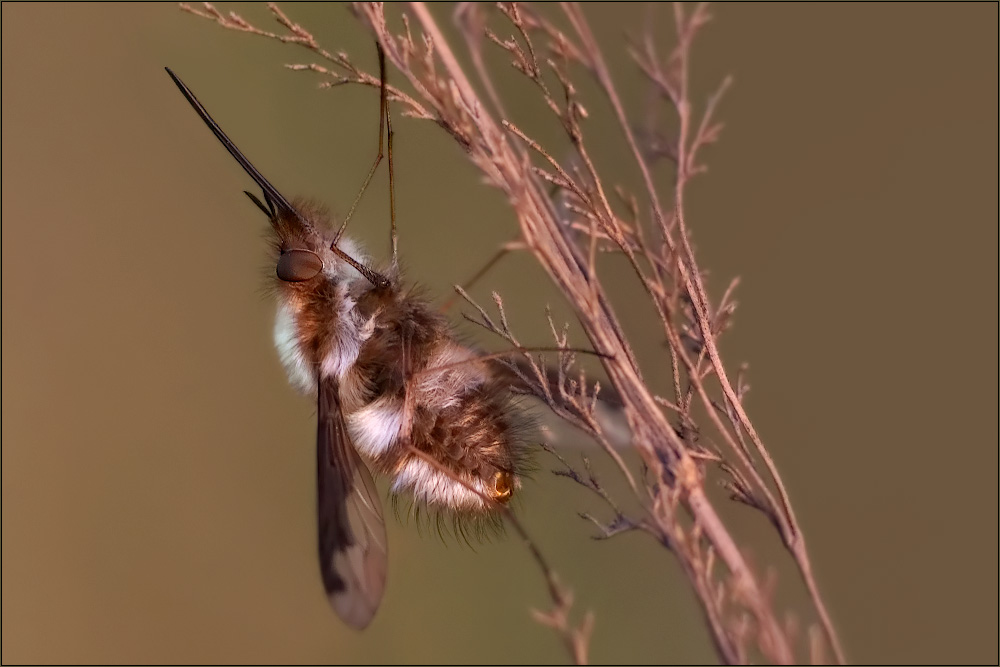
(503, 486)
(296, 266)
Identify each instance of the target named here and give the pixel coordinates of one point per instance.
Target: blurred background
(157, 469)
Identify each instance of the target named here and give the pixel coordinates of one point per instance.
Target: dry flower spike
(566, 217)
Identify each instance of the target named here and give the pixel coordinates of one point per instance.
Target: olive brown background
(157, 469)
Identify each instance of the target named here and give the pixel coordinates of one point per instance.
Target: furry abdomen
(434, 395)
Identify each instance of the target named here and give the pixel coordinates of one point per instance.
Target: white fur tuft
(375, 427)
(349, 338)
(286, 340)
(434, 487)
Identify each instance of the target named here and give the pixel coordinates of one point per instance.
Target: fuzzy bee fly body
(394, 389)
(402, 380)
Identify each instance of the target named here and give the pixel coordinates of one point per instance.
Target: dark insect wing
(352, 539)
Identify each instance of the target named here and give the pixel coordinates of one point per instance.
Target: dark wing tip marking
(352, 538)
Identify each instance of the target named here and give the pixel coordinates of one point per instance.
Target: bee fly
(394, 387)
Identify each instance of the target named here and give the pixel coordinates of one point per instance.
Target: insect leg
(392, 174)
(382, 115)
(508, 247)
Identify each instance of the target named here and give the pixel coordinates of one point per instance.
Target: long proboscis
(270, 192)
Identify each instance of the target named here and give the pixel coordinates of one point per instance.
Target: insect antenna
(268, 211)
